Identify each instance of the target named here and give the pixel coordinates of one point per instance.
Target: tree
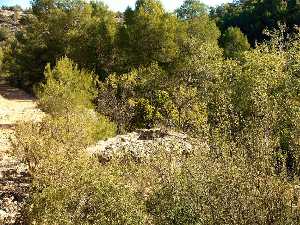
(92, 42)
(42, 41)
(293, 13)
(191, 9)
(43, 7)
(203, 29)
(252, 17)
(234, 42)
(148, 34)
(85, 32)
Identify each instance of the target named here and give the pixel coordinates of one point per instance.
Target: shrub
(130, 97)
(70, 187)
(1, 58)
(166, 187)
(204, 190)
(74, 131)
(66, 88)
(84, 193)
(4, 33)
(234, 42)
(146, 98)
(68, 94)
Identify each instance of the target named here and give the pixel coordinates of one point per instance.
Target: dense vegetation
(254, 16)
(98, 73)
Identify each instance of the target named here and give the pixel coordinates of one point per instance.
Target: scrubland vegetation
(98, 73)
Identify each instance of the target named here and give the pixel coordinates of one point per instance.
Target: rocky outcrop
(12, 19)
(141, 144)
(14, 188)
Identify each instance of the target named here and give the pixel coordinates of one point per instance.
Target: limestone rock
(140, 144)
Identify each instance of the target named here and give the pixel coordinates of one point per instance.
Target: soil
(15, 105)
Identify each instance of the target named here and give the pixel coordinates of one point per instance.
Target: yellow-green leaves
(66, 88)
(234, 43)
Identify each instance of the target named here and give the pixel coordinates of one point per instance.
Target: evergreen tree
(148, 34)
(252, 17)
(191, 9)
(234, 42)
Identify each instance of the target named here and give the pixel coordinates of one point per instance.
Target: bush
(74, 131)
(128, 99)
(66, 88)
(68, 94)
(4, 33)
(234, 42)
(85, 193)
(204, 190)
(146, 98)
(1, 58)
(70, 187)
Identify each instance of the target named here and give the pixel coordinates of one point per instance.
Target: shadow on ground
(12, 93)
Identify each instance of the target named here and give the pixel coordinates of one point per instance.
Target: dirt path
(15, 105)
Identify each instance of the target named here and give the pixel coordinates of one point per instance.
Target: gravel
(15, 106)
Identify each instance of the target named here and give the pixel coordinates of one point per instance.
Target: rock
(140, 144)
(11, 19)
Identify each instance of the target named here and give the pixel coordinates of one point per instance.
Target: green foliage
(159, 69)
(41, 42)
(293, 12)
(99, 41)
(42, 7)
(131, 97)
(1, 58)
(191, 9)
(145, 98)
(62, 194)
(70, 187)
(148, 34)
(70, 91)
(234, 42)
(86, 196)
(4, 34)
(91, 43)
(82, 31)
(201, 29)
(189, 113)
(218, 192)
(260, 101)
(254, 16)
(66, 88)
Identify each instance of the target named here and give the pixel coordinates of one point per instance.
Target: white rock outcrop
(140, 144)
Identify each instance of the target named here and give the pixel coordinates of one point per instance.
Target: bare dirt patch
(15, 106)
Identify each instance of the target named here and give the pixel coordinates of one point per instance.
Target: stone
(140, 144)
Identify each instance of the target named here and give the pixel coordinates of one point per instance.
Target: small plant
(4, 34)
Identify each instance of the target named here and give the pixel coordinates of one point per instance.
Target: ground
(15, 106)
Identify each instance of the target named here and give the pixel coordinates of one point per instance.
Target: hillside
(151, 117)
(12, 19)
